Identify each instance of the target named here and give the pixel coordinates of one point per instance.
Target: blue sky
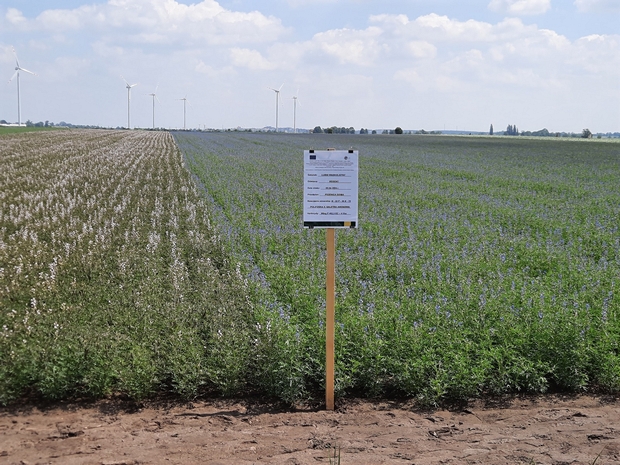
(443, 64)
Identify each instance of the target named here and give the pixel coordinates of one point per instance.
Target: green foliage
(18, 129)
(481, 266)
(112, 278)
(486, 272)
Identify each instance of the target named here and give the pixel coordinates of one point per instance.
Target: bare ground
(518, 430)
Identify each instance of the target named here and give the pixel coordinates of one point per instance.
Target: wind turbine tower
(154, 95)
(295, 112)
(277, 91)
(184, 112)
(18, 68)
(129, 86)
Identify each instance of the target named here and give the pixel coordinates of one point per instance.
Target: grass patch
(22, 129)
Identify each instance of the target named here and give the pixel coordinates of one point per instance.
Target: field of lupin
(112, 280)
(481, 266)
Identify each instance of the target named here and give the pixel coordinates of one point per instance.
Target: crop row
(111, 276)
(480, 265)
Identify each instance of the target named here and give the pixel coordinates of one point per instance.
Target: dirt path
(546, 430)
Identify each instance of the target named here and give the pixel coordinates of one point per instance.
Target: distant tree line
(333, 130)
(351, 130)
(62, 124)
(40, 124)
(511, 130)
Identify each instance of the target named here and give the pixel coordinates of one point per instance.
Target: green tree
(398, 130)
(317, 130)
(491, 130)
(586, 134)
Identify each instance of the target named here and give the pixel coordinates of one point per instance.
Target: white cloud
(359, 74)
(520, 7)
(15, 17)
(358, 47)
(434, 25)
(410, 75)
(251, 59)
(297, 3)
(532, 80)
(440, 28)
(6, 54)
(604, 6)
(431, 79)
(65, 68)
(422, 49)
(505, 55)
(598, 54)
(454, 55)
(158, 21)
(213, 72)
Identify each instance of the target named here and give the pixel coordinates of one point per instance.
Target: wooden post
(330, 318)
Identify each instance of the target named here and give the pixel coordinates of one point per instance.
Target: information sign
(330, 188)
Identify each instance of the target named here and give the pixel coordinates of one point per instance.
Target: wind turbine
(295, 112)
(277, 91)
(154, 95)
(184, 113)
(17, 70)
(129, 86)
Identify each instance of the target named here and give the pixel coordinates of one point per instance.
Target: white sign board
(330, 188)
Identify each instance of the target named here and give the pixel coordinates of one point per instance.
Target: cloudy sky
(442, 64)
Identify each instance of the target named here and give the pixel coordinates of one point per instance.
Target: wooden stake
(330, 318)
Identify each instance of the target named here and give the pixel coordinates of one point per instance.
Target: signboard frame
(331, 188)
(331, 180)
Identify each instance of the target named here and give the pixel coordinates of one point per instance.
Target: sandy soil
(548, 430)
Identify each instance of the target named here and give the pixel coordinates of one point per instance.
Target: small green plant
(334, 456)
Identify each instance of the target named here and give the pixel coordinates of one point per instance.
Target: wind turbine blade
(13, 77)
(281, 87)
(15, 53)
(25, 70)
